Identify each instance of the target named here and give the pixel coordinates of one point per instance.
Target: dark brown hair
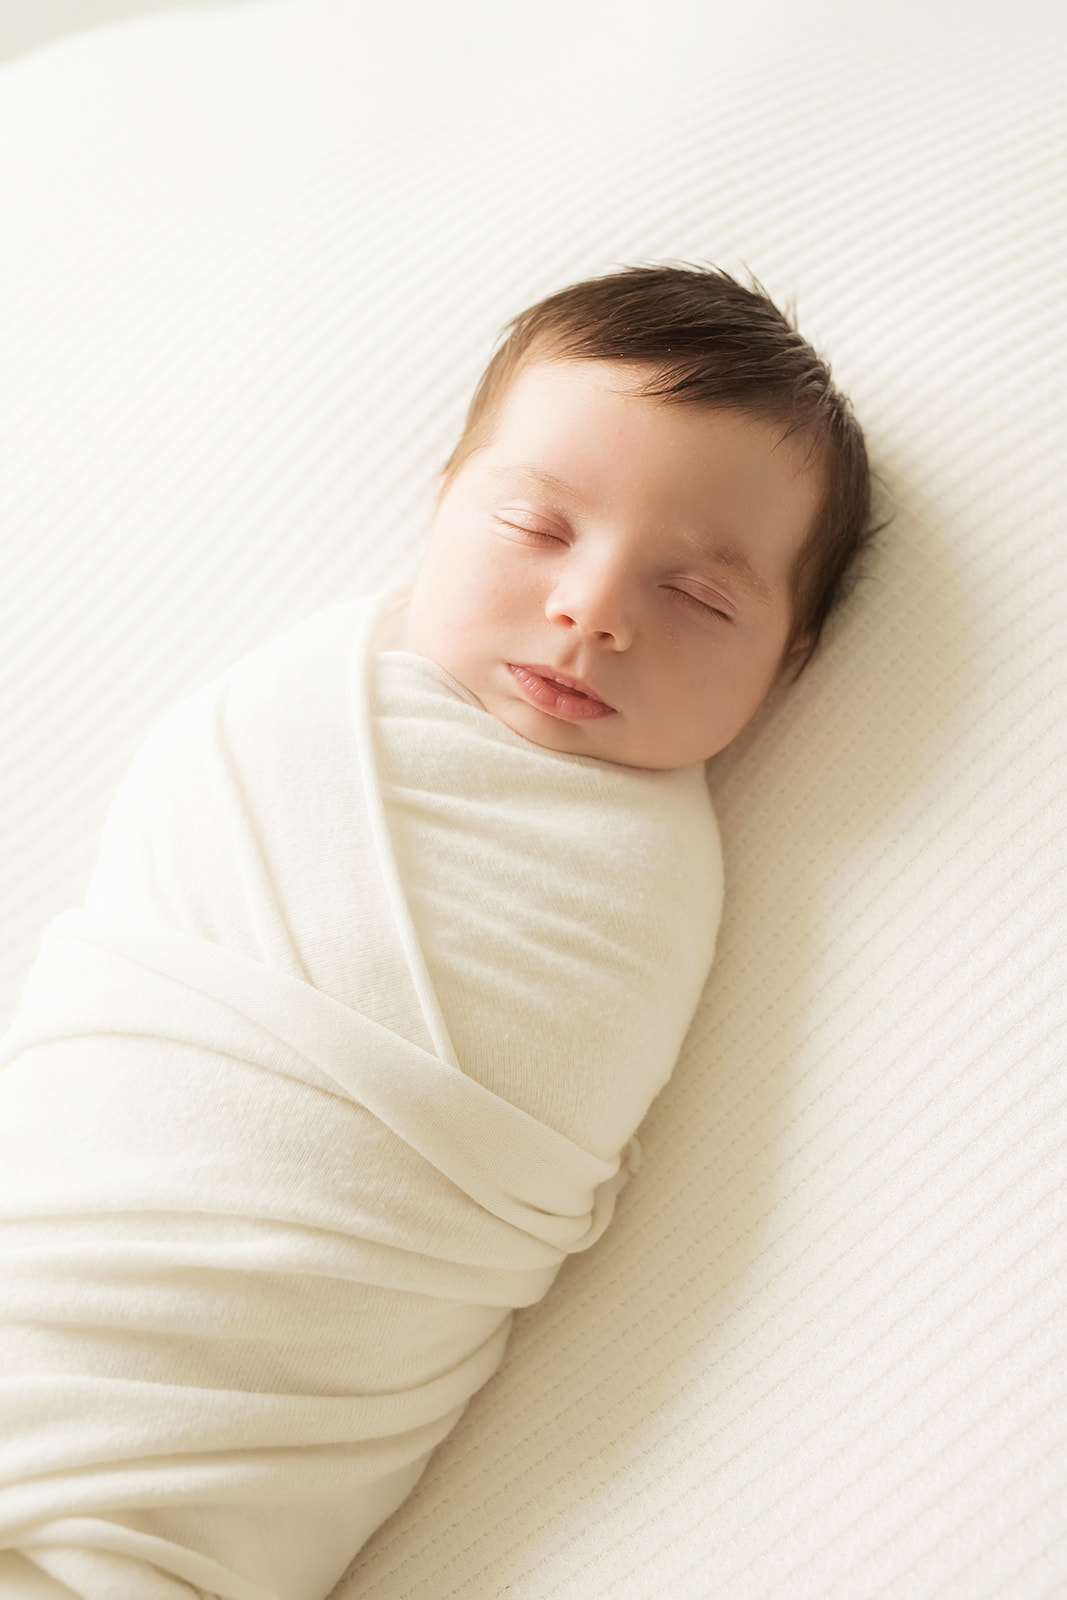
(712, 341)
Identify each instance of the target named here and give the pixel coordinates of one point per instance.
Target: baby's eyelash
(530, 533)
(703, 605)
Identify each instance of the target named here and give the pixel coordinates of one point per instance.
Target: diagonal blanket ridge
(515, 1167)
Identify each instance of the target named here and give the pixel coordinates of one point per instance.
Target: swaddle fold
(338, 1063)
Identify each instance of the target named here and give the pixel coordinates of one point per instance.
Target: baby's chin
(595, 741)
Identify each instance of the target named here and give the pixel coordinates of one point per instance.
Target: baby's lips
(566, 681)
(567, 698)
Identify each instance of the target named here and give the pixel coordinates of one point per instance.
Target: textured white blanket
(336, 1067)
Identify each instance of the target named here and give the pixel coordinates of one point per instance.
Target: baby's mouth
(568, 698)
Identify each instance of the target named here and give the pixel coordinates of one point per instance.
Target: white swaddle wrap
(337, 1065)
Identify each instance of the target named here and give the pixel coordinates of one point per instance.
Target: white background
(25, 24)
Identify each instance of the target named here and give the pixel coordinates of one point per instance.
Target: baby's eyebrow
(737, 563)
(538, 475)
(709, 550)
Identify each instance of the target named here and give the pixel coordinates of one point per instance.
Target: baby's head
(653, 508)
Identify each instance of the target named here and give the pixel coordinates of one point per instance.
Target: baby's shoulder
(283, 700)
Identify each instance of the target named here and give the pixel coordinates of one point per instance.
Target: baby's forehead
(648, 383)
(528, 408)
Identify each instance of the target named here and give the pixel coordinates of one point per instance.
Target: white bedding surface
(29, 24)
(252, 262)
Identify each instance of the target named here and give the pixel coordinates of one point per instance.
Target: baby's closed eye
(530, 528)
(709, 607)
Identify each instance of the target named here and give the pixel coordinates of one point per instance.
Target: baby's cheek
(506, 592)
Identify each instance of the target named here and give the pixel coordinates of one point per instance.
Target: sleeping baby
(396, 931)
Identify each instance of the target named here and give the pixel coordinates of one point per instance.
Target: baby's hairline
(478, 437)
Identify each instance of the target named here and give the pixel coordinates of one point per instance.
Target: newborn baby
(395, 933)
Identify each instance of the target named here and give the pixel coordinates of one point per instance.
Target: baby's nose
(595, 605)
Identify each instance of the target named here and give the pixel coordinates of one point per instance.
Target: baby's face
(609, 575)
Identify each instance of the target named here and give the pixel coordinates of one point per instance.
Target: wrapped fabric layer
(342, 1058)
